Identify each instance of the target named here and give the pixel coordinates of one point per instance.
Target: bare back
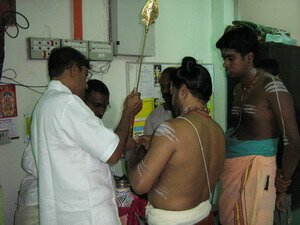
(182, 183)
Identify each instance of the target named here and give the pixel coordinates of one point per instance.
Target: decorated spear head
(150, 12)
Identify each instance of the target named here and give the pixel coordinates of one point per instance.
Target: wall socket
(40, 48)
(80, 45)
(4, 137)
(99, 50)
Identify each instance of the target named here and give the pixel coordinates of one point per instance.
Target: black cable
(17, 25)
(102, 70)
(17, 83)
(12, 15)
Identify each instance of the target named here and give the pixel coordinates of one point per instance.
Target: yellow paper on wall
(140, 118)
(210, 105)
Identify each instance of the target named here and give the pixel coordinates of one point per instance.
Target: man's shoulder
(267, 77)
(56, 103)
(158, 109)
(270, 83)
(58, 98)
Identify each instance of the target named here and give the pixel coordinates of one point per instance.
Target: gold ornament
(149, 14)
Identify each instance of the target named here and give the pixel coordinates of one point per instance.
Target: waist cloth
(237, 148)
(186, 217)
(248, 183)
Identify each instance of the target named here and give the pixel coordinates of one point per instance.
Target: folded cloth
(134, 212)
(186, 217)
(248, 191)
(238, 148)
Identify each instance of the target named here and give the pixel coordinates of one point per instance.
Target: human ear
(250, 57)
(183, 91)
(74, 70)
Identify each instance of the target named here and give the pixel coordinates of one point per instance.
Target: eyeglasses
(89, 76)
(99, 105)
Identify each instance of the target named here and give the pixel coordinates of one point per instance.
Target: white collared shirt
(71, 145)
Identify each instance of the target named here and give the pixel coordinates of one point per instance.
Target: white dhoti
(186, 217)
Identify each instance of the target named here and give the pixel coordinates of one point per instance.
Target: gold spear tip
(150, 12)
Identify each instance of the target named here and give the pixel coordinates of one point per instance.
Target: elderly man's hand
(133, 103)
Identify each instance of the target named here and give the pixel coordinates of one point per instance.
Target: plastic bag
(280, 38)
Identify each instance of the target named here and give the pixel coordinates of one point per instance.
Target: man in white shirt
(72, 148)
(97, 99)
(164, 111)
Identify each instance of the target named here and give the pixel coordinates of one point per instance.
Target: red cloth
(135, 211)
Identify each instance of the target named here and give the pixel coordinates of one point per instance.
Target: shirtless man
(185, 157)
(262, 110)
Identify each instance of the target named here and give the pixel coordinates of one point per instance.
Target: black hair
(242, 39)
(63, 58)
(196, 78)
(168, 71)
(269, 65)
(97, 86)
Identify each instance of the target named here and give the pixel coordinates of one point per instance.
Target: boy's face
(234, 63)
(97, 102)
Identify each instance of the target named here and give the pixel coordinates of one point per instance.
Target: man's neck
(248, 79)
(194, 104)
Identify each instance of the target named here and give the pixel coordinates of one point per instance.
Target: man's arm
(132, 106)
(282, 105)
(144, 172)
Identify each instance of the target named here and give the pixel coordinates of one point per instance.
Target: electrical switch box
(80, 45)
(99, 51)
(40, 48)
(127, 29)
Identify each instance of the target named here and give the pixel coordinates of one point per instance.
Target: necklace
(243, 91)
(241, 96)
(202, 110)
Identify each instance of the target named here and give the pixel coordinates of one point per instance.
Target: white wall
(182, 28)
(282, 14)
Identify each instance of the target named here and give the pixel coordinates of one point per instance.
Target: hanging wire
(11, 14)
(102, 70)
(17, 83)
